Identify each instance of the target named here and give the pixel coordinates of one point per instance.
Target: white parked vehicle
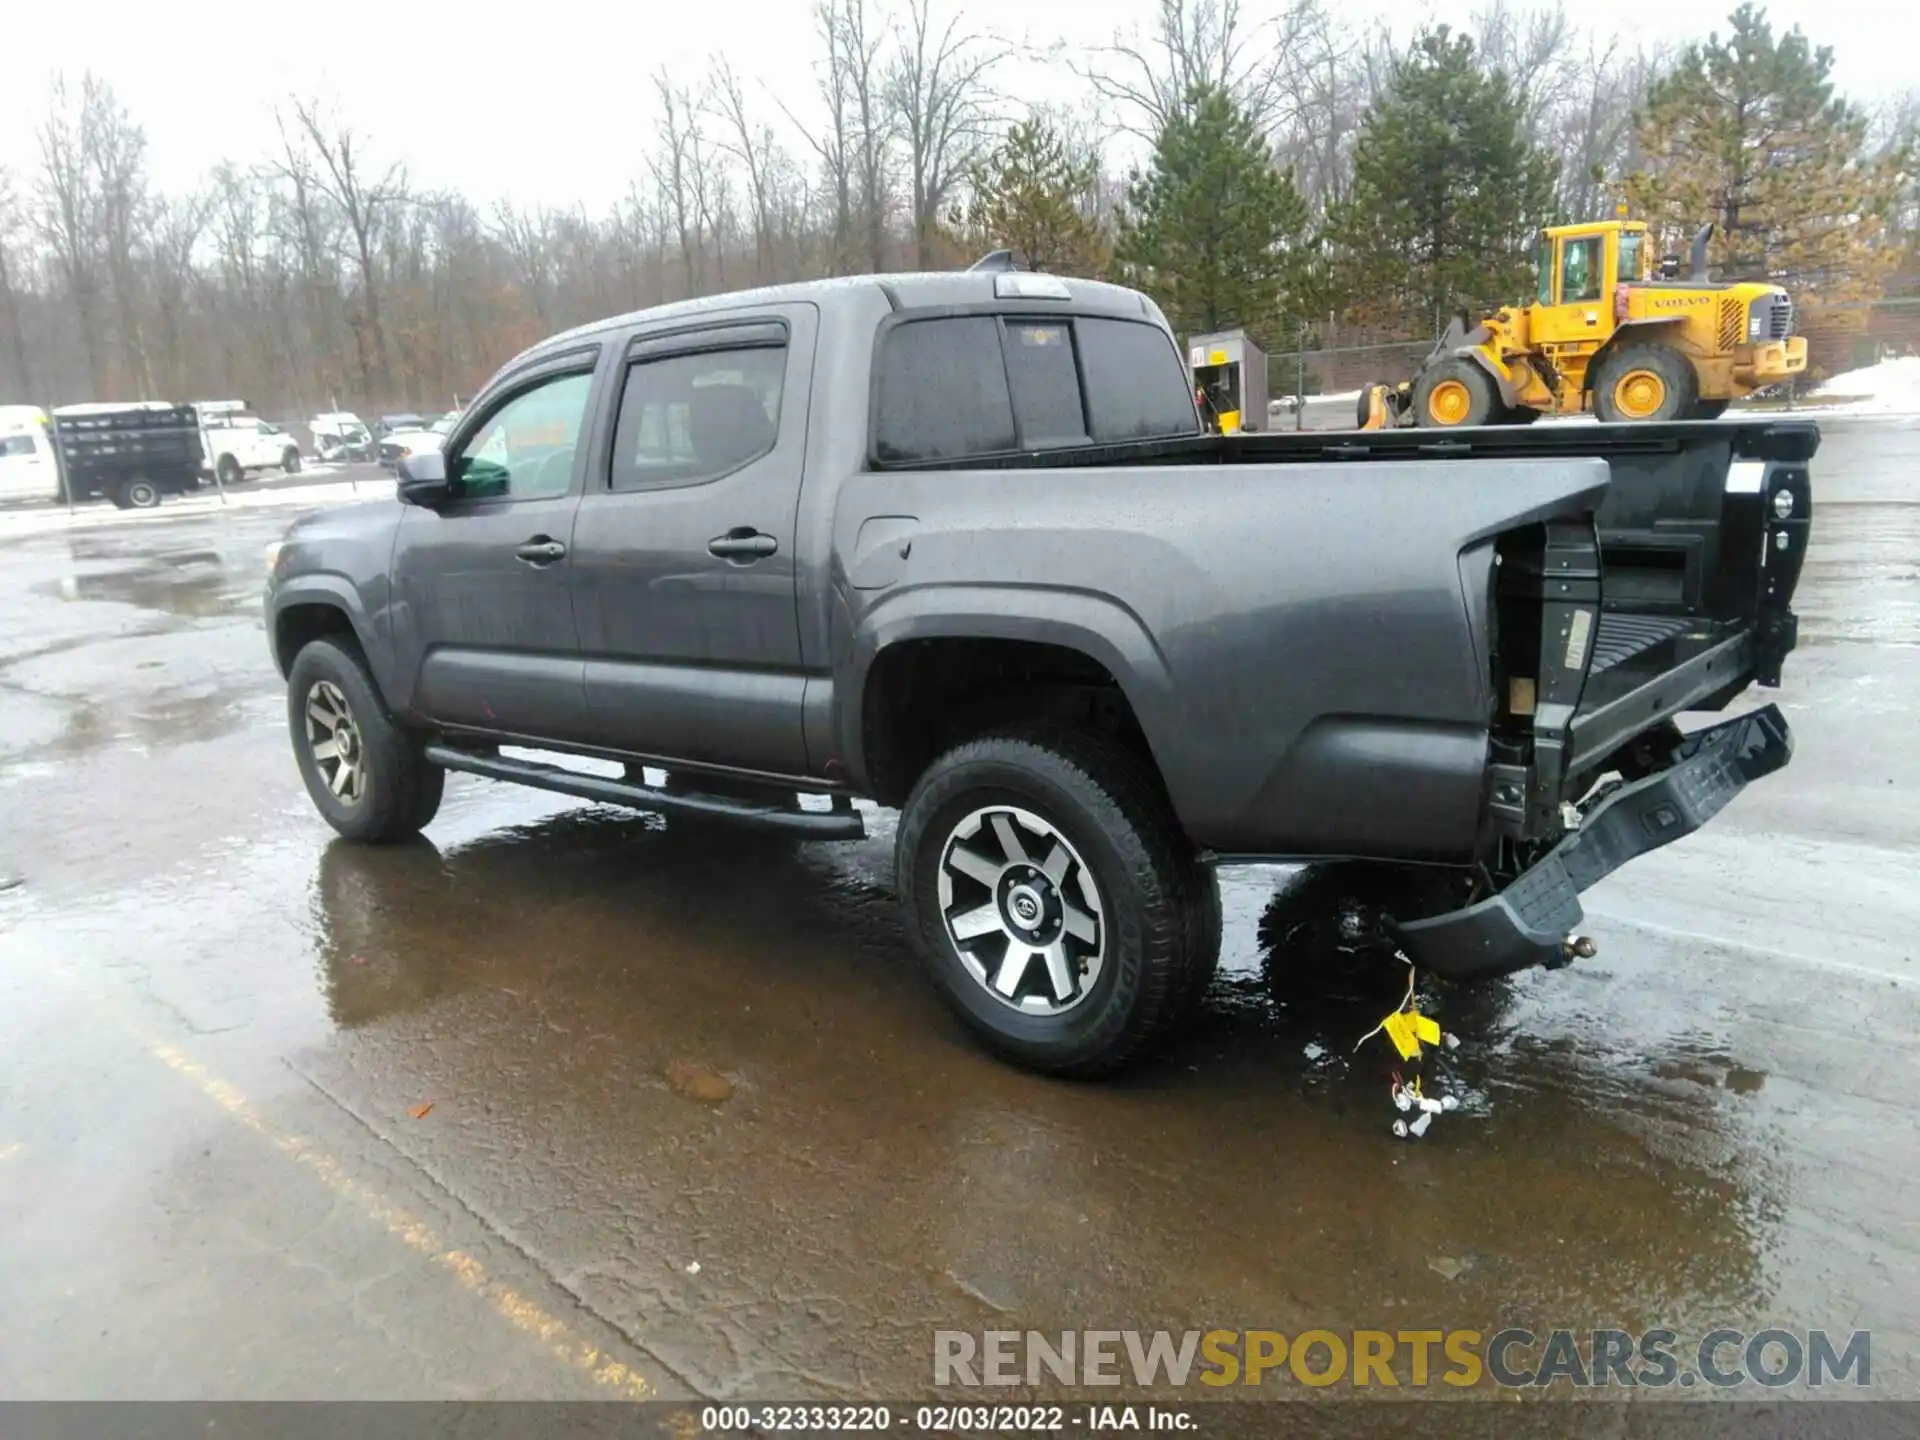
(28, 470)
(237, 444)
(341, 435)
(397, 445)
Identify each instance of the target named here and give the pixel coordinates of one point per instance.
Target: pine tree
(1747, 133)
(1212, 230)
(1447, 193)
(1028, 196)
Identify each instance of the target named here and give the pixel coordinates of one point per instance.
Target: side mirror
(423, 479)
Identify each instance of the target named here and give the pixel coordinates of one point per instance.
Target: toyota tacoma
(958, 544)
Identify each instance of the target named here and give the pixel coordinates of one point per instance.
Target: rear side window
(978, 385)
(686, 419)
(943, 391)
(1136, 383)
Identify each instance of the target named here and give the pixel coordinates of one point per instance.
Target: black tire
(1680, 384)
(398, 792)
(1482, 396)
(1159, 915)
(290, 462)
(229, 471)
(1709, 409)
(136, 494)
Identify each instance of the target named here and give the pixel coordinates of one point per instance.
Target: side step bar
(814, 825)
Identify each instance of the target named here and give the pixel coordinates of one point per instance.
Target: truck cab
(28, 470)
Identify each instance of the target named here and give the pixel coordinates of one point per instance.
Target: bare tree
(1191, 43)
(937, 87)
(674, 171)
(753, 144)
(115, 153)
(69, 213)
(366, 201)
(12, 279)
(528, 236)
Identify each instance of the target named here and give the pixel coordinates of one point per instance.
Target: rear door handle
(742, 542)
(541, 550)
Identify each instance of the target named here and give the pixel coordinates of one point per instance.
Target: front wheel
(290, 462)
(368, 777)
(1455, 392)
(1054, 899)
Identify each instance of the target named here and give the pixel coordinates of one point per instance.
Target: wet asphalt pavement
(570, 1103)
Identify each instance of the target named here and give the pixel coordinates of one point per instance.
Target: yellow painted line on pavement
(516, 1309)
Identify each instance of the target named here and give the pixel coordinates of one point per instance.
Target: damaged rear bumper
(1528, 923)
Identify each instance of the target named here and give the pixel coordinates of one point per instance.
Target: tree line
(1314, 184)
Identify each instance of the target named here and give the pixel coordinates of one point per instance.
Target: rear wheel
(368, 777)
(1054, 899)
(136, 495)
(229, 471)
(1455, 392)
(1645, 383)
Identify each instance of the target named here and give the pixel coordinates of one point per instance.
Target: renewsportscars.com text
(1511, 1358)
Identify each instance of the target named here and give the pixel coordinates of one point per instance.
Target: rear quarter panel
(1304, 645)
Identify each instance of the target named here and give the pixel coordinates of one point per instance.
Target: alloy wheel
(333, 738)
(1022, 910)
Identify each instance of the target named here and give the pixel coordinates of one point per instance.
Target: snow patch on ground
(1891, 387)
(35, 519)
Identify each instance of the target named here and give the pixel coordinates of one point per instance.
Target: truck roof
(906, 291)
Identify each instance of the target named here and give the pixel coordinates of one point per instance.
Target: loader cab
(1578, 268)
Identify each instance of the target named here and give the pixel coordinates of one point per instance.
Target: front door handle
(742, 543)
(541, 550)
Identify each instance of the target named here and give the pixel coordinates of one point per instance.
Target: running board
(814, 825)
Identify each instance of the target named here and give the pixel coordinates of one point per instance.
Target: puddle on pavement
(192, 584)
(548, 977)
(153, 722)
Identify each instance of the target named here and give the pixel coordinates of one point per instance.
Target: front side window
(686, 419)
(525, 451)
(12, 445)
(1543, 270)
(1580, 270)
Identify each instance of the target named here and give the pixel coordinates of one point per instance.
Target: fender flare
(1091, 624)
(1625, 333)
(335, 592)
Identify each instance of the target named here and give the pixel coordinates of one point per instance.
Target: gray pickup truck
(957, 544)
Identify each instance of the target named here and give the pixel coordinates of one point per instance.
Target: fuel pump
(1229, 381)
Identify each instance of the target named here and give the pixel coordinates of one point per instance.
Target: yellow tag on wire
(1424, 1030)
(1401, 1028)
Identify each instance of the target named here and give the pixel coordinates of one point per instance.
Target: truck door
(482, 615)
(683, 558)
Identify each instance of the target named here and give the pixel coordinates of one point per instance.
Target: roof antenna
(995, 260)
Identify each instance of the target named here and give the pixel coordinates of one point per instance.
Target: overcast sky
(551, 102)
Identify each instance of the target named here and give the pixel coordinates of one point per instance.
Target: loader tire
(1638, 384)
(1454, 393)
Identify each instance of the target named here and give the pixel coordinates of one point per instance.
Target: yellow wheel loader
(1606, 333)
